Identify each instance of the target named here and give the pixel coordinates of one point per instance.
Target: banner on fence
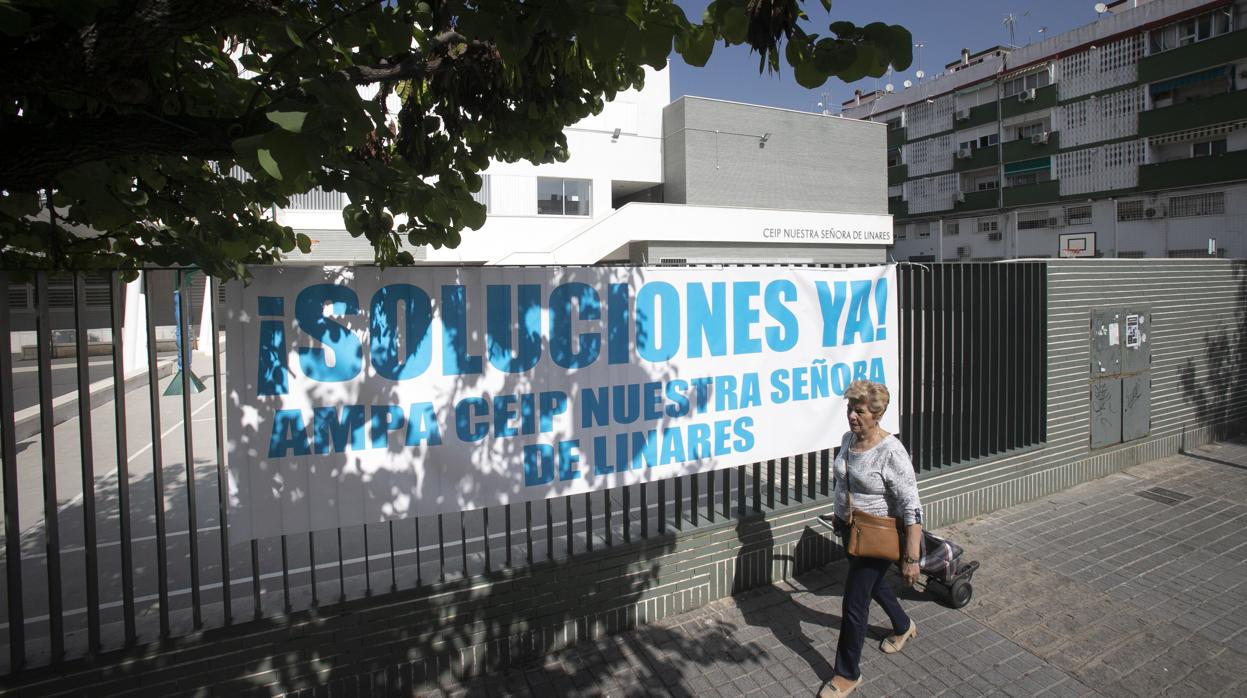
(357, 395)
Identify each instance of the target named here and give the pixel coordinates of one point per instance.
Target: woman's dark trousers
(865, 582)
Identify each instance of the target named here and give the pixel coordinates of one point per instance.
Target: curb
(26, 423)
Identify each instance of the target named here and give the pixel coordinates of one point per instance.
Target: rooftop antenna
(919, 45)
(1010, 20)
(1100, 8)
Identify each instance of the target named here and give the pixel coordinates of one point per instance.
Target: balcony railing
(1032, 193)
(1025, 148)
(1192, 171)
(979, 158)
(1186, 59)
(896, 137)
(1217, 109)
(1045, 98)
(897, 174)
(978, 200)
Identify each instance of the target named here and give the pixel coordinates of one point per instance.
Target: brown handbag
(869, 535)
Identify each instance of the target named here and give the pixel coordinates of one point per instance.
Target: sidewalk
(1102, 590)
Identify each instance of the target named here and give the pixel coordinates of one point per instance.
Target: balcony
(898, 207)
(1220, 108)
(982, 114)
(978, 200)
(1045, 98)
(1187, 59)
(979, 158)
(897, 174)
(896, 137)
(1028, 194)
(1193, 171)
(1023, 149)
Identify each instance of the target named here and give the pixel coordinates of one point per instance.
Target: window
(986, 183)
(1024, 178)
(1130, 210)
(1078, 215)
(564, 197)
(1209, 204)
(1032, 220)
(989, 140)
(894, 157)
(924, 231)
(1028, 130)
(953, 228)
(894, 123)
(1189, 31)
(967, 145)
(899, 232)
(1033, 81)
(988, 225)
(1214, 147)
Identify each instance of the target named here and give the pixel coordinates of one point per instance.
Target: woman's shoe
(830, 690)
(895, 643)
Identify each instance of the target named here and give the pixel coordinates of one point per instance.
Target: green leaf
(304, 243)
(291, 121)
(282, 155)
(808, 75)
(294, 36)
(735, 25)
(698, 44)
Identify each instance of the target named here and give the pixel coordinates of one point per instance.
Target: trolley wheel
(960, 593)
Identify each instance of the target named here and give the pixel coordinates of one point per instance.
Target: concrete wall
(393, 642)
(808, 162)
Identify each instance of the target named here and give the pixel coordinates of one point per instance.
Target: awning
(1035, 165)
(1196, 134)
(1191, 79)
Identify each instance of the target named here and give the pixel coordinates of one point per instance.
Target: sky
(944, 27)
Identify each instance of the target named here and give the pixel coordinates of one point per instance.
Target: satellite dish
(888, 87)
(1101, 8)
(920, 75)
(908, 84)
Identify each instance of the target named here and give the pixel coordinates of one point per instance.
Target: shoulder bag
(870, 535)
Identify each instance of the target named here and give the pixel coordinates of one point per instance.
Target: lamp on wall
(762, 141)
(615, 135)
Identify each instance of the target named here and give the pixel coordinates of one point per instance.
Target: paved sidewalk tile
(1094, 591)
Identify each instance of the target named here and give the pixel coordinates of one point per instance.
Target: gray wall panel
(809, 161)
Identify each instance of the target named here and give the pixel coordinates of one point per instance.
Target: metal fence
(115, 507)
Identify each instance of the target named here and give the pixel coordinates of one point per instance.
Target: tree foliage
(165, 131)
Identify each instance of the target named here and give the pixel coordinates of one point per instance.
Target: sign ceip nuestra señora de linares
(359, 395)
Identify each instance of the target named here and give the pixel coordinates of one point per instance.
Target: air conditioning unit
(1026, 95)
(963, 114)
(964, 153)
(1154, 212)
(963, 251)
(1039, 138)
(961, 197)
(1055, 223)
(993, 236)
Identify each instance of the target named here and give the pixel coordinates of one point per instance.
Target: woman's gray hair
(874, 395)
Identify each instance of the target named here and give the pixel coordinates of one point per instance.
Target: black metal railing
(115, 514)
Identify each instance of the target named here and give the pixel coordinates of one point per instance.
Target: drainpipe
(1116, 248)
(940, 244)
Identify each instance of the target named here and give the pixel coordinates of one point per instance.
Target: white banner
(358, 395)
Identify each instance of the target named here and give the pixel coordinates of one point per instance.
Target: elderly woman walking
(873, 466)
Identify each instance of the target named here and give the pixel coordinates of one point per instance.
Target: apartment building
(1126, 137)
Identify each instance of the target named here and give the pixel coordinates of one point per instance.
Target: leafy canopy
(164, 132)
